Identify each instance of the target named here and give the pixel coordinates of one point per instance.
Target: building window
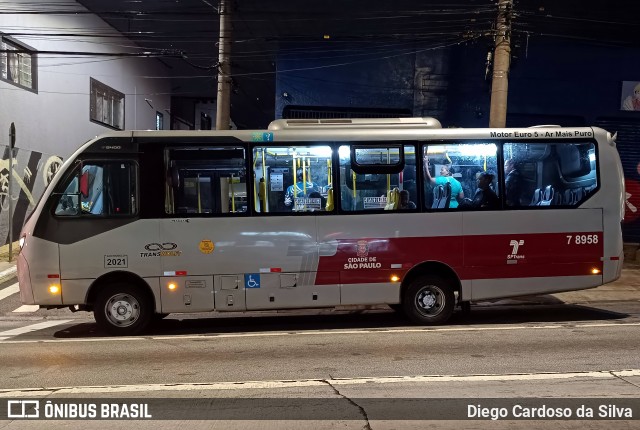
(159, 121)
(107, 105)
(17, 64)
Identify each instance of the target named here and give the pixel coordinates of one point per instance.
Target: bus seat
(446, 197)
(393, 198)
(573, 196)
(547, 196)
(396, 198)
(558, 199)
(569, 159)
(537, 196)
(438, 192)
(569, 196)
(329, 205)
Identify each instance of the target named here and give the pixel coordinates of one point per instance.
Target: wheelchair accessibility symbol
(252, 280)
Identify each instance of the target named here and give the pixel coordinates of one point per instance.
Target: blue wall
(337, 74)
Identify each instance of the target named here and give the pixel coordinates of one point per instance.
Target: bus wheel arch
(428, 292)
(122, 303)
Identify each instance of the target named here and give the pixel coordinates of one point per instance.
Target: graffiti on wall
(31, 173)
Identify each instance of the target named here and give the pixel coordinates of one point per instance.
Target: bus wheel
(122, 310)
(429, 300)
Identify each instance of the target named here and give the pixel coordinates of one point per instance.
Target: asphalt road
(328, 369)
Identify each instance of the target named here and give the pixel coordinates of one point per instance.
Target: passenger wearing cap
(485, 197)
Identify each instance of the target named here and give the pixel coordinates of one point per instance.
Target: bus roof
(283, 124)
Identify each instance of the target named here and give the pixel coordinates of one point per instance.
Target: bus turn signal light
(172, 286)
(395, 278)
(54, 289)
(596, 271)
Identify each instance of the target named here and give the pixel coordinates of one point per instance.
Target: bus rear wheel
(122, 310)
(429, 299)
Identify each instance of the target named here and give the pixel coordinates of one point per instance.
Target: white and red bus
(323, 213)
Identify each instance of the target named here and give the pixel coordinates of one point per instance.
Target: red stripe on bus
(471, 257)
(55, 276)
(614, 258)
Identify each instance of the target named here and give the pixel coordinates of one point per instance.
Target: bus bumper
(24, 281)
(613, 268)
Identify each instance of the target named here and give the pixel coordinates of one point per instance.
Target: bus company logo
(166, 249)
(23, 409)
(362, 248)
(515, 244)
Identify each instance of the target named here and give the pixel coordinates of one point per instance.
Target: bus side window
(105, 188)
(69, 201)
(205, 180)
(458, 167)
(549, 174)
(292, 179)
(377, 192)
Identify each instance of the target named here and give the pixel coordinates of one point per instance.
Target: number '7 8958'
(582, 239)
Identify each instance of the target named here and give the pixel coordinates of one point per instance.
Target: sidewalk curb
(8, 273)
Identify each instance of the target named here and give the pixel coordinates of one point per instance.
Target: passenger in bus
(457, 195)
(485, 197)
(299, 189)
(512, 182)
(405, 200)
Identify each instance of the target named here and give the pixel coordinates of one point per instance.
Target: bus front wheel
(122, 309)
(429, 299)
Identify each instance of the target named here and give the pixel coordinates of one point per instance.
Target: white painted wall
(56, 119)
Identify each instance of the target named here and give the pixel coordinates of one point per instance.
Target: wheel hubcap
(430, 300)
(122, 310)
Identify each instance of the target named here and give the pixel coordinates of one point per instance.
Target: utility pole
(501, 62)
(223, 103)
(12, 144)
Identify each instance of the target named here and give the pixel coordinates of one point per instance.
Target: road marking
(4, 335)
(425, 330)
(27, 308)
(270, 385)
(10, 290)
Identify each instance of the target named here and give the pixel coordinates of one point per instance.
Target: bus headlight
(21, 242)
